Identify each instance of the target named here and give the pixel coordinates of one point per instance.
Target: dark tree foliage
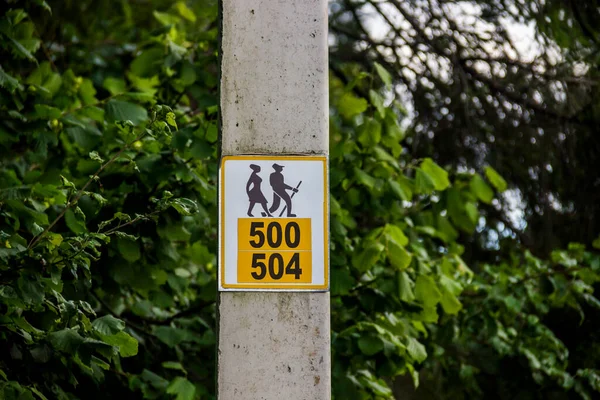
(107, 209)
(507, 83)
(510, 83)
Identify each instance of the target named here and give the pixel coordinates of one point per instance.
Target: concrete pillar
(274, 100)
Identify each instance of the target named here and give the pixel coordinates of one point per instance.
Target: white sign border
(221, 224)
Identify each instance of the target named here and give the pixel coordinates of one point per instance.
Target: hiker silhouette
(253, 191)
(279, 191)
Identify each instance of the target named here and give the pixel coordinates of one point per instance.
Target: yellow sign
(274, 223)
(274, 250)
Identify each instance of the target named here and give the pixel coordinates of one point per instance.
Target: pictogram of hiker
(279, 191)
(255, 195)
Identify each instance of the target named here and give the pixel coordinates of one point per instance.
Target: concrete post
(274, 100)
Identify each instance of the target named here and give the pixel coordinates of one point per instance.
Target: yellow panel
(274, 234)
(260, 267)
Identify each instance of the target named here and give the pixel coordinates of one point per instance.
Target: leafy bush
(108, 209)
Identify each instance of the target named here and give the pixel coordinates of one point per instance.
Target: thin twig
(114, 314)
(112, 230)
(37, 238)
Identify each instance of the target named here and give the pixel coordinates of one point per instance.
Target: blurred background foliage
(463, 183)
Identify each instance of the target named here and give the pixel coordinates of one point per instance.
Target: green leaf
(166, 18)
(450, 303)
(154, 380)
(31, 289)
(405, 284)
(38, 393)
(47, 112)
(378, 386)
(182, 388)
(53, 84)
(402, 188)
(172, 336)
(370, 345)
(188, 74)
(394, 132)
(74, 222)
(185, 11)
(437, 174)
(450, 289)
(8, 82)
(394, 233)
(423, 182)
(87, 138)
(128, 346)
(66, 340)
(87, 93)
(450, 285)
(184, 206)
(170, 118)
(21, 50)
(350, 105)
(426, 291)
(341, 281)
(481, 189)
(108, 325)
(117, 110)
(365, 260)
(382, 155)
(377, 102)
(383, 74)
(495, 179)
(44, 5)
(95, 156)
(445, 230)
(534, 362)
(365, 179)
(472, 212)
(54, 238)
(115, 85)
(41, 353)
(416, 350)
(129, 249)
(212, 133)
(201, 149)
(148, 63)
(457, 211)
(174, 365)
(398, 256)
(101, 363)
(370, 133)
(145, 85)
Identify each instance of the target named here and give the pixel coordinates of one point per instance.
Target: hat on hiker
(277, 167)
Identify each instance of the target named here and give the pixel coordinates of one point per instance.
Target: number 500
(274, 234)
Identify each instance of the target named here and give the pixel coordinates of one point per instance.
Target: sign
(274, 227)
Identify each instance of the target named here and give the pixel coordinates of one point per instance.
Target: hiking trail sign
(274, 228)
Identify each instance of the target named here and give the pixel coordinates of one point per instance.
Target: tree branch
(37, 238)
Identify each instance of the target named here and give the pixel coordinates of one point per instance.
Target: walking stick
(291, 197)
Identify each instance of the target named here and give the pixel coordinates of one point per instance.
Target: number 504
(275, 266)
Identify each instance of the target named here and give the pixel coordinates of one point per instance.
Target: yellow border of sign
(281, 287)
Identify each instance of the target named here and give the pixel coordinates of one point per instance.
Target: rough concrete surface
(274, 100)
(274, 346)
(274, 76)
